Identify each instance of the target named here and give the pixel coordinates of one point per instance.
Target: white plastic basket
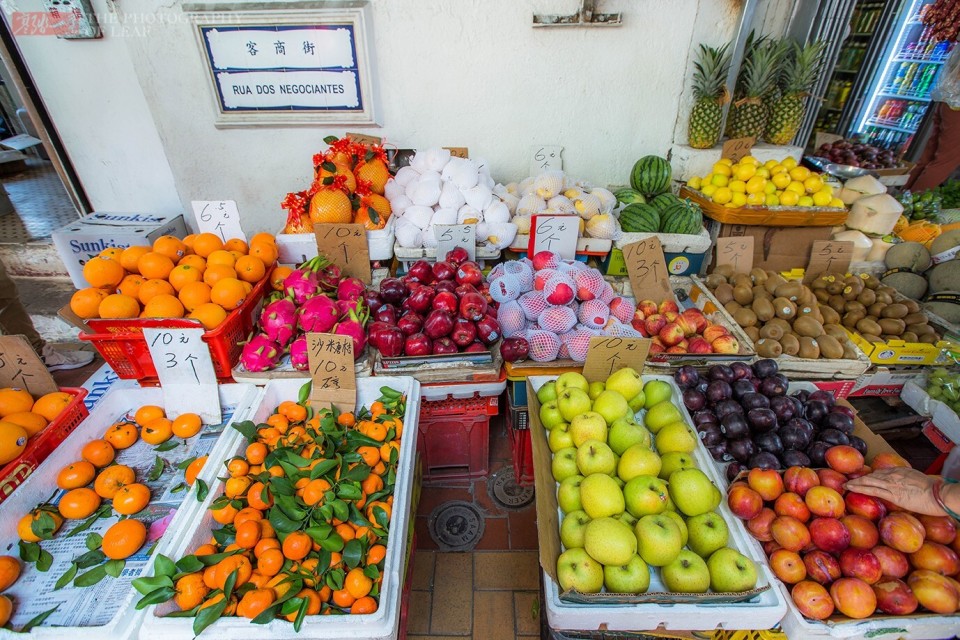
(671, 242)
(106, 610)
(294, 248)
(382, 624)
(462, 390)
(406, 256)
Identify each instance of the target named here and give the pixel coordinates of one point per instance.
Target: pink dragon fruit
(622, 309)
(301, 285)
(328, 277)
(278, 321)
(349, 289)
(346, 306)
(318, 314)
(353, 327)
(260, 354)
(298, 354)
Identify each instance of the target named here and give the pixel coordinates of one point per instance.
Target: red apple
(696, 318)
(863, 533)
(744, 502)
(668, 305)
(759, 525)
(790, 533)
(798, 480)
(790, 504)
(864, 505)
(647, 307)
(656, 348)
(887, 459)
(860, 563)
(933, 591)
(713, 332)
(788, 566)
(699, 345)
(935, 557)
(821, 566)
(833, 479)
(893, 563)
(824, 501)
(902, 531)
(829, 534)
(725, 344)
(671, 316)
(854, 598)
(843, 458)
(654, 323)
(767, 482)
(812, 600)
(670, 334)
(895, 597)
(686, 325)
(939, 528)
(639, 322)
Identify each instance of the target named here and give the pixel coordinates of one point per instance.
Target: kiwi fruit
(759, 275)
(849, 351)
(876, 309)
(807, 327)
(851, 318)
(920, 329)
(929, 338)
(836, 287)
(759, 292)
(895, 310)
(767, 348)
(725, 270)
(829, 347)
(772, 331)
(743, 295)
(912, 305)
(871, 281)
(829, 315)
(724, 292)
(915, 318)
(752, 332)
(853, 305)
(867, 297)
(741, 280)
(884, 297)
(789, 290)
(809, 348)
(790, 344)
(783, 324)
(871, 338)
(892, 326)
(763, 308)
(909, 336)
(773, 281)
(837, 303)
(821, 295)
(731, 307)
(809, 312)
(784, 308)
(714, 280)
(836, 331)
(745, 317)
(866, 325)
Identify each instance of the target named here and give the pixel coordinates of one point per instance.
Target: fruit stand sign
(737, 148)
(545, 158)
(607, 355)
(828, 255)
(451, 236)
(458, 152)
(363, 138)
(647, 268)
(219, 217)
(185, 369)
(345, 245)
(22, 368)
(555, 233)
(332, 370)
(736, 251)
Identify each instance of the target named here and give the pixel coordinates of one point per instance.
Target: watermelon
(640, 218)
(665, 200)
(629, 196)
(651, 176)
(683, 217)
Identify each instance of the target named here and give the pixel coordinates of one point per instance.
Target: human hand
(906, 488)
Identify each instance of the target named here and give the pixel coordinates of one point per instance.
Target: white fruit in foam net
(426, 193)
(506, 288)
(523, 224)
(617, 329)
(548, 184)
(532, 304)
(608, 201)
(408, 234)
(557, 319)
(499, 235)
(603, 226)
(451, 197)
(622, 309)
(436, 158)
(511, 319)
(587, 205)
(544, 345)
(465, 174)
(478, 196)
(511, 200)
(392, 189)
(430, 238)
(496, 211)
(540, 278)
(593, 314)
(589, 284)
(578, 343)
(400, 204)
(561, 204)
(419, 216)
(559, 289)
(522, 271)
(444, 216)
(406, 175)
(469, 215)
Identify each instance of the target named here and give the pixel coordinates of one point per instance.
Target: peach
(854, 597)
(788, 566)
(790, 533)
(939, 528)
(829, 534)
(864, 505)
(863, 533)
(759, 525)
(843, 458)
(822, 567)
(860, 563)
(744, 502)
(790, 504)
(933, 591)
(888, 459)
(833, 479)
(902, 531)
(893, 564)
(825, 502)
(935, 557)
(895, 597)
(812, 600)
(799, 480)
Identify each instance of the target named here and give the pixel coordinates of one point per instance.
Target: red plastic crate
(40, 446)
(521, 446)
(121, 342)
(454, 437)
(840, 388)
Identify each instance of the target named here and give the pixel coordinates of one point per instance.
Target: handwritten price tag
(22, 368)
(219, 217)
(459, 152)
(736, 252)
(363, 138)
(332, 370)
(737, 148)
(545, 158)
(647, 269)
(607, 355)
(828, 255)
(183, 364)
(451, 236)
(555, 233)
(345, 245)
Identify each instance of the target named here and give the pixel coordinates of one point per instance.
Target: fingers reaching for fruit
(904, 487)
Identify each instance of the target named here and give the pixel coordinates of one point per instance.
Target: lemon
(771, 200)
(822, 199)
(780, 180)
(789, 198)
(799, 173)
(738, 199)
(722, 169)
(805, 201)
(722, 195)
(749, 160)
(837, 203)
(745, 172)
(695, 182)
(789, 162)
(708, 189)
(729, 205)
(827, 189)
(726, 161)
(769, 187)
(719, 180)
(770, 164)
(812, 184)
(778, 169)
(763, 172)
(796, 187)
(738, 186)
(756, 184)
(756, 198)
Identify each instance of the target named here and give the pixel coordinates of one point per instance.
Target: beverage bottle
(898, 77)
(907, 51)
(908, 77)
(884, 110)
(931, 47)
(845, 92)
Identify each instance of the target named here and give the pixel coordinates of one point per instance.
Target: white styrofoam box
(585, 244)
(688, 162)
(944, 418)
(81, 240)
(106, 610)
(671, 242)
(461, 390)
(294, 248)
(762, 612)
(381, 624)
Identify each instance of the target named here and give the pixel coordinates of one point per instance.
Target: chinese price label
(545, 158)
(345, 245)
(459, 152)
(219, 217)
(828, 255)
(22, 368)
(183, 364)
(555, 233)
(647, 269)
(737, 148)
(451, 236)
(332, 370)
(607, 355)
(736, 252)
(363, 138)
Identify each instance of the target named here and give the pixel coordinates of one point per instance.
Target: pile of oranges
(305, 513)
(22, 417)
(200, 277)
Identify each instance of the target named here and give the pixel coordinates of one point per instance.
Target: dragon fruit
(298, 354)
(301, 285)
(260, 354)
(328, 277)
(349, 289)
(318, 315)
(278, 321)
(353, 327)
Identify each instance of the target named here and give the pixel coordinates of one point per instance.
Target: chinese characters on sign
(647, 269)
(183, 364)
(736, 251)
(21, 367)
(545, 158)
(607, 355)
(828, 255)
(219, 217)
(332, 370)
(451, 236)
(555, 233)
(345, 245)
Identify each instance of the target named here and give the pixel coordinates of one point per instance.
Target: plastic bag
(947, 88)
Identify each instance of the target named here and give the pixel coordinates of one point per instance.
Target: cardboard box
(776, 248)
(79, 241)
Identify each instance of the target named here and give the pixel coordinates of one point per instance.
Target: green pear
(601, 496)
(572, 403)
(676, 437)
(624, 434)
(673, 461)
(611, 405)
(693, 492)
(627, 382)
(656, 391)
(660, 415)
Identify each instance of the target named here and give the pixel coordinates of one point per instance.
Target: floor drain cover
(456, 526)
(507, 493)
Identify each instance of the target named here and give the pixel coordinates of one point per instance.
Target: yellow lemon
(789, 198)
(726, 161)
(812, 184)
(695, 182)
(756, 184)
(778, 169)
(745, 172)
(749, 160)
(763, 172)
(789, 162)
(780, 180)
(821, 198)
(707, 179)
(771, 200)
(756, 198)
(770, 164)
(738, 199)
(837, 203)
(719, 180)
(722, 169)
(769, 187)
(827, 189)
(708, 189)
(738, 186)
(796, 187)
(805, 201)
(799, 173)
(722, 195)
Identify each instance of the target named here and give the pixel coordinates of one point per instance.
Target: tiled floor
(41, 204)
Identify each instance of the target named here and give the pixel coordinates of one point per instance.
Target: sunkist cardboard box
(79, 241)
(776, 248)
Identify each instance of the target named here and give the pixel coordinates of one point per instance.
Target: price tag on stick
(736, 252)
(22, 368)
(607, 355)
(332, 370)
(363, 138)
(451, 236)
(345, 245)
(647, 269)
(555, 233)
(459, 152)
(545, 158)
(828, 255)
(737, 148)
(183, 364)
(219, 217)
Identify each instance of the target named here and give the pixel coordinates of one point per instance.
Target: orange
(188, 241)
(386, 448)
(163, 306)
(130, 285)
(231, 604)
(24, 525)
(118, 305)
(52, 404)
(253, 603)
(292, 411)
(193, 469)
(256, 452)
(154, 287)
(248, 534)
(246, 514)
(357, 584)
(236, 487)
(270, 561)
(9, 571)
(225, 567)
(225, 514)
(86, 302)
(382, 505)
(123, 539)
(265, 543)
(342, 598)
(157, 431)
(221, 257)
(103, 272)
(206, 243)
(76, 474)
(194, 261)
(121, 435)
(345, 531)
(250, 268)
(6, 609)
(370, 455)
(372, 483)
(313, 492)
(131, 499)
(210, 315)
(266, 251)
(194, 294)
(183, 275)
(205, 550)
(170, 247)
(99, 453)
(237, 467)
(148, 413)
(236, 244)
(32, 423)
(278, 275)
(112, 479)
(376, 554)
(297, 545)
(186, 425)
(78, 504)
(111, 252)
(314, 603)
(229, 293)
(130, 257)
(154, 265)
(263, 236)
(363, 605)
(217, 272)
(190, 591)
(236, 255)
(255, 497)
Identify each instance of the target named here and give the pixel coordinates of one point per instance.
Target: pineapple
(799, 73)
(710, 91)
(748, 115)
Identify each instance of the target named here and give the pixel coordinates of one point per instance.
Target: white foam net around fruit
(521, 271)
(506, 288)
(590, 284)
(532, 303)
(557, 319)
(594, 314)
(511, 319)
(544, 345)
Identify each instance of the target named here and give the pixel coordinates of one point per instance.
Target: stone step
(43, 297)
(33, 259)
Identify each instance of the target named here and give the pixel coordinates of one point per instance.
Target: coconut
(876, 214)
(908, 255)
(909, 284)
(861, 243)
(878, 250)
(859, 187)
(945, 276)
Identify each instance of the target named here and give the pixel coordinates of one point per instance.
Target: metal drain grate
(456, 526)
(505, 491)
